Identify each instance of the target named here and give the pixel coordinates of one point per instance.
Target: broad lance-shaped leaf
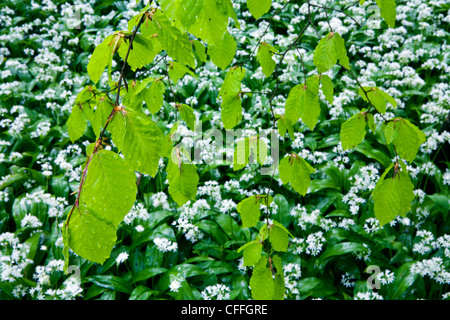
(178, 71)
(173, 41)
(265, 54)
(231, 99)
(328, 51)
(76, 123)
(108, 177)
(407, 138)
(252, 252)
(261, 282)
(142, 52)
(222, 53)
(388, 11)
(296, 171)
(303, 102)
(278, 236)
(377, 97)
(107, 196)
(327, 87)
(247, 149)
(249, 210)
(187, 114)
(258, 7)
(102, 56)
(154, 96)
(89, 235)
(212, 21)
(139, 139)
(183, 180)
(353, 131)
(279, 283)
(392, 197)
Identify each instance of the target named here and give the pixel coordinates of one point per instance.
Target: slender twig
(100, 138)
(337, 10)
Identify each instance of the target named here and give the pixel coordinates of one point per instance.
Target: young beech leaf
(231, 99)
(187, 114)
(77, 123)
(102, 56)
(249, 210)
(353, 131)
(89, 235)
(154, 96)
(262, 283)
(388, 11)
(252, 252)
(108, 176)
(101, 114)
(328, 51)
(173, 41)
(407, 138)
(92, 226)
(296, 171)
(279, 283)
(278, 237)
(392, 197)
(303, 102)
(265, 53)
(377, 97)
(327, 87)
(141, 142)
(222, 53)
(142, 52)
(183, 180)
(258, 7)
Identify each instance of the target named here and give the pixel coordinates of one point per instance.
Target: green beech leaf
(141, 142)
(154, 96)
(183, 181)
(278, 237)
(142, 52)
(92, 226)
(252, 253)
(249, 210)
(392, 197)
(231, 100)
(303, 102)
(388, 11)
(261, 282)
(108, 177)
(328, 51)
(353, 131)
(377, 97)
(279, 283)
(102, 56)
(296, 171)
(265, 54)
(258, 7)
(76, 123)
(89, 235)
(407, 138)
(178, 71)
(187, 114)
(173, 41)
(285, 125)
(101, 114)
(222, 53)
(327, 87)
